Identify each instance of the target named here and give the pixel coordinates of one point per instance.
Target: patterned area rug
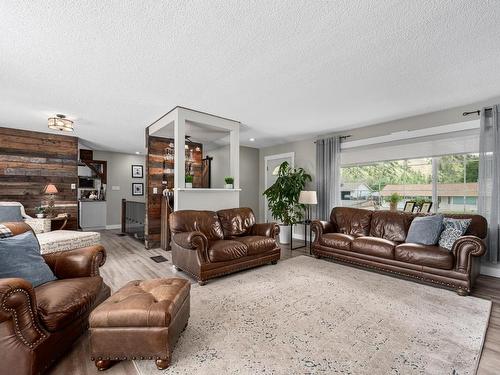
(310, 316)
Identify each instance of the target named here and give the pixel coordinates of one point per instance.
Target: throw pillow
(20, 257)
(10, 213)
(453, 230)
(425, 230)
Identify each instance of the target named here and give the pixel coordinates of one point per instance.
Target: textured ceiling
(285, 69)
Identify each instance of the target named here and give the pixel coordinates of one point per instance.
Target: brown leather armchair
(38, 325)
(208, 244)
(376, 240)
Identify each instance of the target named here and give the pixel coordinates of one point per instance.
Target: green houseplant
(283, 198)
(229, 182)
(393, 200)
(189, 181)
(40, 212)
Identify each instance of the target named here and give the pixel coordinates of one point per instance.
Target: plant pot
(189, 185)
(394, 206)
(285, 234)
(228, 186)
(40, 216)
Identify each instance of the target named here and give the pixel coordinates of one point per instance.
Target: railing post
(124, 215)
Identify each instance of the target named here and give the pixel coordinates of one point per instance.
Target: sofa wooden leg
(274, 262)
(103, 364)
(201, 282)
(462, 292)
(162, 364)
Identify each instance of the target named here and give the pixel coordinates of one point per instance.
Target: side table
(306, 223)
(44, 225)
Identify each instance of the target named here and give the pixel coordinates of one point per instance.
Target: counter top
(90, 200)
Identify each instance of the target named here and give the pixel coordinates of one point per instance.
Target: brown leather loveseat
(376, 239)
(208, 244)
(38, 325)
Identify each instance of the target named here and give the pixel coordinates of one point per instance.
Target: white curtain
(489, 178)
(327, 175)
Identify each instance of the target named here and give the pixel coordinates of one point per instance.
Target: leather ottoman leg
(104, 364)
(162, 364)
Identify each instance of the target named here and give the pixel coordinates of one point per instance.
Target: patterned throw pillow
(453, 230)
(4, 231)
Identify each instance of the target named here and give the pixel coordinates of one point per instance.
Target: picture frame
(409, 206)
(426, 207)
(137, 171)
(137, 188)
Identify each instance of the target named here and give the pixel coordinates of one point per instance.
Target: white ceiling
(285, 69)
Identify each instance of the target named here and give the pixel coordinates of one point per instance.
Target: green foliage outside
(452, 169)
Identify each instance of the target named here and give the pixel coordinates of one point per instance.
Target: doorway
(271, 165)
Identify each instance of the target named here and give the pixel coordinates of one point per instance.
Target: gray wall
(120, 174)
(249, 174)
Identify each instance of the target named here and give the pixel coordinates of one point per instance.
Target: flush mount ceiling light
(61, 123)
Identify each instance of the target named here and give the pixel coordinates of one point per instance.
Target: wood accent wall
(155, 178)
(31, 160)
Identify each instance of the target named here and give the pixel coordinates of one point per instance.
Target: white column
(179, 154)
(234, 155)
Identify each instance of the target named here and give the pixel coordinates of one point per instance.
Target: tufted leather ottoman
(143, 320)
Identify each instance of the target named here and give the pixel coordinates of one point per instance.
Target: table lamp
(51, 190)
(308, 197)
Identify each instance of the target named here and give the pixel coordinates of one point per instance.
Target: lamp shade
(308, 197)
(50, 189)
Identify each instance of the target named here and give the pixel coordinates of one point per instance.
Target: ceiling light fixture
(252, 139)
(61, 123)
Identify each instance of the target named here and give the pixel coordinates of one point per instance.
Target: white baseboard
(490, 270)
(114, 226)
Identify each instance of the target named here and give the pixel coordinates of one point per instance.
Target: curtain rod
(342, 137)
(472, 112)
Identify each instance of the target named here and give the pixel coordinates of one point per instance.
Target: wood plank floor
(128, 260)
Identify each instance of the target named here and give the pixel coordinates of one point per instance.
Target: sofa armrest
(265, 229)
(465, 248)
(319, 227)
(193, 241)
(18, 303)
(84, 262)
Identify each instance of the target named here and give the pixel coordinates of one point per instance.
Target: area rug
(312, 316)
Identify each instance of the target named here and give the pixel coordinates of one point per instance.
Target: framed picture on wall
(426, 207)
(409, 206)
(137, 188)
(137, 171)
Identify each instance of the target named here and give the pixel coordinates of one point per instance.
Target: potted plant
(40, 212)
(189, 181)
(229, 182)
(393, 200)
(283, 198)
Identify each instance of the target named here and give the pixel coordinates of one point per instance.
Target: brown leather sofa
(208, 244)
(376, 240)
(38, 325)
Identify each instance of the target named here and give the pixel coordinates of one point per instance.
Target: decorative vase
(394, 206)
(189, 185)
(285, 234)
(228, 186)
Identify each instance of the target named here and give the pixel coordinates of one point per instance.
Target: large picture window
(449, 182)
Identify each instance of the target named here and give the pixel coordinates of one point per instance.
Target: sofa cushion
(336, 240)
(61, 302)
(424, 255)
(206, 222)
(392, 226)
(64, 240)
(224, 250)
(257, 244)
(425, 230)
(353, 221)
(20, 257)
(378, 247)
(236, 221)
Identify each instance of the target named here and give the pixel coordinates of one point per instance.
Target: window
(453, 189)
